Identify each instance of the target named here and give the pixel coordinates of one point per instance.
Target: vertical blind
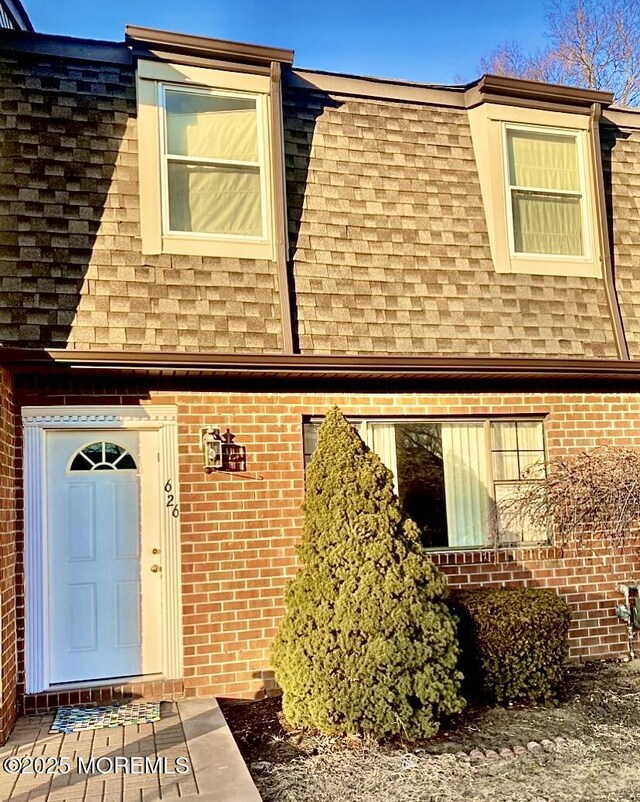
(546, 192)
(381, 438)
(464, 452)
(213, 164)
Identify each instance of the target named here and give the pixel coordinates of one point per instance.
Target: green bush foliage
(367, 644)
(514, 641)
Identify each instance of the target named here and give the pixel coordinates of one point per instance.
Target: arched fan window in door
(103, 456)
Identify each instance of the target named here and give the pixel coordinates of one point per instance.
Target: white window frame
(152, 81)
(489, 123)
(579, 137)
(166, 157)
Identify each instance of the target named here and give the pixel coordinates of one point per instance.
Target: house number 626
(170, 499)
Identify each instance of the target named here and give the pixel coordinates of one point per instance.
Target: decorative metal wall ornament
(211, 448)
(220, 452)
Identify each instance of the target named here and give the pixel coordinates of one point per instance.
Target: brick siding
(239, 532)
(8, 541)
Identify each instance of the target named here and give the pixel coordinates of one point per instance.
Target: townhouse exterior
(202, 248)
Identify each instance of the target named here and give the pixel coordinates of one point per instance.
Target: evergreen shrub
(367, 644)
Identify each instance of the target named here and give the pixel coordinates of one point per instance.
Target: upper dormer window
(538, 180)
(204, 156)
(546, 188)
(213, 163)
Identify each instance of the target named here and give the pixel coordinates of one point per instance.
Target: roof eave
(151, 38)
(19, 14)
(324, 366)
(494, 87)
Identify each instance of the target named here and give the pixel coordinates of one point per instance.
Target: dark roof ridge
(73, 47)
(394, 81)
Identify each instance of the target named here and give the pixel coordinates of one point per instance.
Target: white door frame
(36, 422)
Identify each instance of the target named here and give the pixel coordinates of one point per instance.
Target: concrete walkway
(188, 755)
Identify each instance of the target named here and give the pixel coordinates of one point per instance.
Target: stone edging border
(545, 745)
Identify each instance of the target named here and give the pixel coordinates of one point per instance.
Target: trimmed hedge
(514, 641)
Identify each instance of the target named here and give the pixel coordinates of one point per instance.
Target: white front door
(104, 561)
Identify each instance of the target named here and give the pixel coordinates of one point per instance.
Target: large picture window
(452, 476)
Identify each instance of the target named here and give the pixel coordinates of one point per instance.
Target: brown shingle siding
(388, 229)
(71, 269)
(389, 245)
(621, 160)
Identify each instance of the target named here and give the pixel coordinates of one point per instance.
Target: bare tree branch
(594, 495)
(590, 44)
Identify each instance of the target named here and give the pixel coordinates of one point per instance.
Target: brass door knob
(156, 568)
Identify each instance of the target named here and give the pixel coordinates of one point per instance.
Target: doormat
(71, 718)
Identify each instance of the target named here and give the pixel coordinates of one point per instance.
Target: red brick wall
(239, 531)
(8, 537)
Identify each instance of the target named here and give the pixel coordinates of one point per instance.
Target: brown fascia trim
(142, 40)
(326, 366)
(489, 88)
(376, 88)
(494, 88)
(66, 47)
(603, 232)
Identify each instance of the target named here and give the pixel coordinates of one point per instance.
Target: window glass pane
(215, 200)
(515, 527)
(210, 126)
(310, 440)
(530, 435)
(464, 450)
(381, 438)
(112, 452)
(543, 160)
(532, 465)
(547, 223)
(505, 465)
(80, 464)
(504, 436)
(126, 463)
(93, 452)
(421, 488)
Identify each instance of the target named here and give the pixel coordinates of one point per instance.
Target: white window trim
(151, 80)
(489, 123)
(579, 137)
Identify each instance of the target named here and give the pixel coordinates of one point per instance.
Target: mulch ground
(596, 723)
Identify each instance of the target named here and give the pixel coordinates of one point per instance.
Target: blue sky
(430, 41)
